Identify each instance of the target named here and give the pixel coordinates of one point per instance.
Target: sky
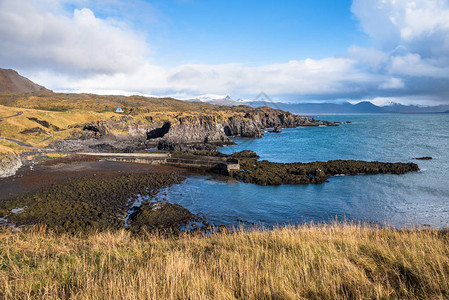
(296, 51)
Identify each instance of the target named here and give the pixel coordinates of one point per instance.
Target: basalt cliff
(203, 131)
(85, 122)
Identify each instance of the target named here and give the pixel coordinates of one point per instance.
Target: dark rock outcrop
(45, 124)
(159, 132)
(34, 130)
(270, 173)
(159, 215)
(209, 131)
(200, 132)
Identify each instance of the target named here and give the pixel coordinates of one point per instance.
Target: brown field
(336, 261)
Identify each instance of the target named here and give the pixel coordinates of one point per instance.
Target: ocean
(420, 198)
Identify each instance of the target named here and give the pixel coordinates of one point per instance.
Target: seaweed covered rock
(244, 154)
(186, 147)
(84, 204)
(270, 173)
(159, 215)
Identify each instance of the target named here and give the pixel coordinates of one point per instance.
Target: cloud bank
(40, 35)
(77, 50)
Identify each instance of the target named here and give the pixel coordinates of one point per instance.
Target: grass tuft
(333, 261)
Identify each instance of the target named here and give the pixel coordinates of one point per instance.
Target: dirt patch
(58, 170)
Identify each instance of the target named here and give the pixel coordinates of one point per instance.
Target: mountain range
(12, 82)
(364, 107)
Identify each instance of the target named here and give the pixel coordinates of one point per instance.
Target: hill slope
(12, 82)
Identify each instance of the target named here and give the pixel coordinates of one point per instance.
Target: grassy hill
(100, 103)
(12, 82)
(42, 118)
(336, 261)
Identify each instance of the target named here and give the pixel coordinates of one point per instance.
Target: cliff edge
(10, 162)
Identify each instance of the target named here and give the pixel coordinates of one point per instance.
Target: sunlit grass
(311, 261)
(55, 155)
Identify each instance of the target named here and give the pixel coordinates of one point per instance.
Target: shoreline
(79, 195)
(46, 173)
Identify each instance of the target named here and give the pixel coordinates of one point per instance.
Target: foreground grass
(310, 261)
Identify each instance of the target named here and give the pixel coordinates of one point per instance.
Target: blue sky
(322, 50)
(258, 32)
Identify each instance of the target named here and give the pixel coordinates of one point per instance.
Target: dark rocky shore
(96, 204)
(86, 202)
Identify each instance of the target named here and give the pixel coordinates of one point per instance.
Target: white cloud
(392, 83)
(422, 26)
(370, 57)
(79, 51)
(306, 77)
(414, 65)
(40, 34)
(412, 38)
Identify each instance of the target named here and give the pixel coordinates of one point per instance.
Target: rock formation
(10, 162)
(203, 131)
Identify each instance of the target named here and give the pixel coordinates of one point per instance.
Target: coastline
(83, 195)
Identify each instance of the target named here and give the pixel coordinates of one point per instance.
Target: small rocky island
(270, 173)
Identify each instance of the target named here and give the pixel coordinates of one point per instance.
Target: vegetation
(42, 118)
(87, 204)
(5, 151)
(334, 261)
(100, 103)
(270, 173)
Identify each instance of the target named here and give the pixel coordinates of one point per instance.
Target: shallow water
(420, 198)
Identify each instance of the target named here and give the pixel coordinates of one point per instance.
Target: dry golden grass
(65, 113)
(101, 103)
(5, 149)
(335, 261)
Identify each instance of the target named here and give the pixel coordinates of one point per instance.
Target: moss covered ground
(88, 204)
(270, 173)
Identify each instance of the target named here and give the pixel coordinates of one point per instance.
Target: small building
(119, 110)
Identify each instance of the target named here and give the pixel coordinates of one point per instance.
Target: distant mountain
(410, 109)
(364, 107)
(12, 82)
(323, 108)
(219, 100)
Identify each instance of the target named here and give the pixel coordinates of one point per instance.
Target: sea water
(420, 198)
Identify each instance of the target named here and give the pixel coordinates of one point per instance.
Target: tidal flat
(76, 196)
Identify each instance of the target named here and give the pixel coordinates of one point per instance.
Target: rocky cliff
(202, 131)
(10, 162)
